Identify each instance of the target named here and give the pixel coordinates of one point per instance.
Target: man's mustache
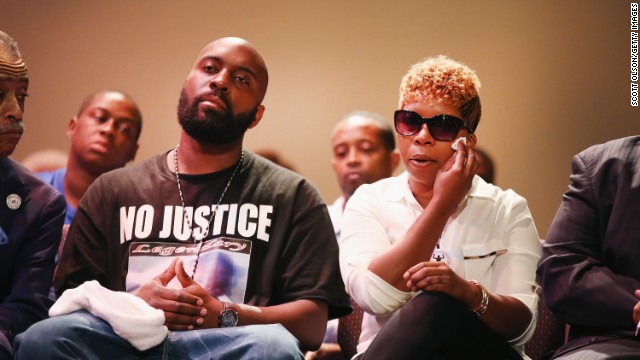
(12, 127)
(219, 94)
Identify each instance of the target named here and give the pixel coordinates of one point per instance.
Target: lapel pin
(14, 201)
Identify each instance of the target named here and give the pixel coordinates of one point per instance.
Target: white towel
(130, 317)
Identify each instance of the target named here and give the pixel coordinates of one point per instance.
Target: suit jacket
(590, 265)
(31, 218)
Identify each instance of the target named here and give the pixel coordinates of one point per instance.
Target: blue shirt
(55, 178)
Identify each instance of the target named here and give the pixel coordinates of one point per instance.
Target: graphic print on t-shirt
(222, 268)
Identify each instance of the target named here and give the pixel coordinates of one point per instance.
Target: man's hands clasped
(188, 308)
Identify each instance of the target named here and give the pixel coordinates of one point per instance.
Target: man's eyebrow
(5, 77)
(218, 60)
(131, 119)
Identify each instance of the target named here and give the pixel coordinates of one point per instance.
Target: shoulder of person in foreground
(590, 234)
(31, 221)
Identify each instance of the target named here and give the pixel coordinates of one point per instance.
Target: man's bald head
(243, 51)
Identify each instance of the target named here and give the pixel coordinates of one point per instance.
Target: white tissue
(454, 145)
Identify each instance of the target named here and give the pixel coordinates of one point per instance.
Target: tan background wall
(555, 74)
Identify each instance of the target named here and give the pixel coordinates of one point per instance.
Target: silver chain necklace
(213, 213)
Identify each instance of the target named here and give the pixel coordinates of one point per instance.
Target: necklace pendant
(199, 238)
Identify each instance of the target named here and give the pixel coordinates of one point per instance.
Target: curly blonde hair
(442, 80)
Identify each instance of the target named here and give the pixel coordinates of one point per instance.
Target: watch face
(228, 318)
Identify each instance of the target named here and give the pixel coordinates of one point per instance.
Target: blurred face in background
(104, 135)
(360, 155)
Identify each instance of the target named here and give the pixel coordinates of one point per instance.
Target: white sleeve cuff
(373, 294)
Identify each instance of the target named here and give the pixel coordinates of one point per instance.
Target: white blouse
(490, 238)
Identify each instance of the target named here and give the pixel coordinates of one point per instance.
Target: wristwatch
(228, 316)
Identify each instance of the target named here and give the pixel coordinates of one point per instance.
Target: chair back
(349, 328)
(551, 333)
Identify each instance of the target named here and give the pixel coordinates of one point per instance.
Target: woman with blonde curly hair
(442, 262)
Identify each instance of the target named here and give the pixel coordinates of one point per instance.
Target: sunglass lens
(444, 129)
(407, 122)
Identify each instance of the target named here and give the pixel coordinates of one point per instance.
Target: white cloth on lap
(130, 317)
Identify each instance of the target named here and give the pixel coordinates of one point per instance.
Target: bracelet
(484, 303)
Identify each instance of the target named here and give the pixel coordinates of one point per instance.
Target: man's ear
(259, 113)
(71, 127)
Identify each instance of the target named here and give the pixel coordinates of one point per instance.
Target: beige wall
(555, 74)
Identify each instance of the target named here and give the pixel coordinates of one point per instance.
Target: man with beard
(143, 228)
(31, 213)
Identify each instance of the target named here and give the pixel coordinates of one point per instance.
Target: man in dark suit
(31, 213)
(590, 265)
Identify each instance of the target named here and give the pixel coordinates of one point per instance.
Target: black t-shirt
(272, 222)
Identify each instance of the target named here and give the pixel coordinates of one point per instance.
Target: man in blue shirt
(104, 136)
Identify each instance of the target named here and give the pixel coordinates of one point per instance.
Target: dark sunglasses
(441, 127)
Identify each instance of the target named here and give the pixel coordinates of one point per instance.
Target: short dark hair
(387, 134)
(89, 99)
